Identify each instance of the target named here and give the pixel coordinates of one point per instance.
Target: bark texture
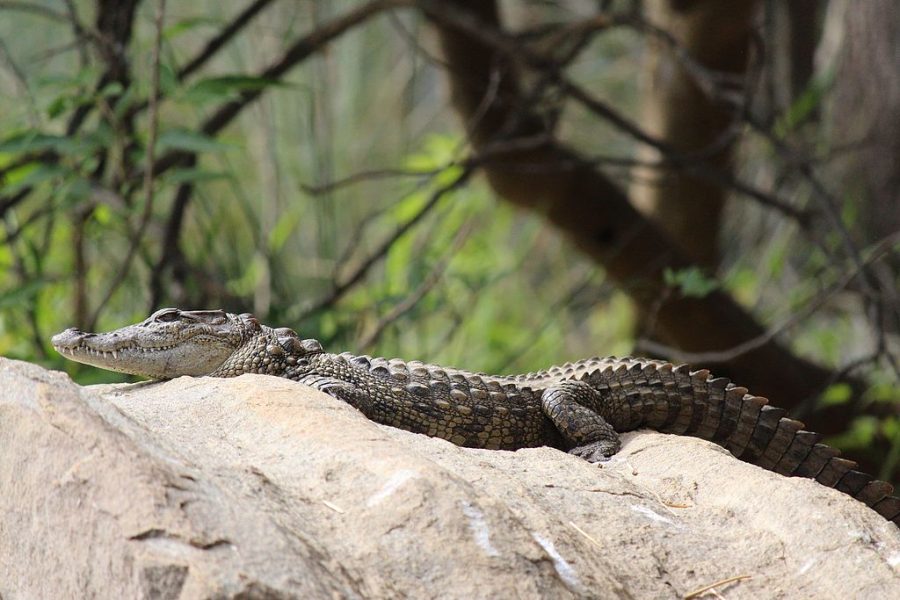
(674, 109)
(865, 115)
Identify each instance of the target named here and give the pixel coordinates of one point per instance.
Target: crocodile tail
(677, 400)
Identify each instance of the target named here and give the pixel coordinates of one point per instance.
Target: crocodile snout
(70, 338)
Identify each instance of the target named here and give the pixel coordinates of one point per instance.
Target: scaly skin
(578, 406)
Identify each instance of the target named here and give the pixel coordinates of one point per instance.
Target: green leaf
(31, 175)
(860, 435)
(58, 106)
(286, 224)
(103, 214)
(438, 151)
(185, 25)
(247, 282)
(75, 189)
(168, 80)
(190, 141)
(804, 106)
(839, 393)
(218, 88)
(124, 101)
(228, 83)
(882, 391)
(692, 282)
(778, 259)
(113, 88)
(32, 141)
(85, 77)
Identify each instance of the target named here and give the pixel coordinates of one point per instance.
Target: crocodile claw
(596, 452)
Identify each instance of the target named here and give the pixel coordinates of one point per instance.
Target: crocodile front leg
(570, 406)
(346, 392)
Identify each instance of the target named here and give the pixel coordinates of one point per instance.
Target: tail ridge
(675, 399)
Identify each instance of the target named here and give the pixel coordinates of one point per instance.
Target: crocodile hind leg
(568, 405)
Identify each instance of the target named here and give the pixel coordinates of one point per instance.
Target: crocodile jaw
(156, 349)
(163, 362)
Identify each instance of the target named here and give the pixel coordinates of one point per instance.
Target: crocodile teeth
(115, 354)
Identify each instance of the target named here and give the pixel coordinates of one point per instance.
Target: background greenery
(272, 227)
(263, 240)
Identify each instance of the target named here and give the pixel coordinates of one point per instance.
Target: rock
(258, 487)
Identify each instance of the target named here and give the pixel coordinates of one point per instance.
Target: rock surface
(258, 487)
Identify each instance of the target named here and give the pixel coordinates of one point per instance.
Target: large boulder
(259, 487)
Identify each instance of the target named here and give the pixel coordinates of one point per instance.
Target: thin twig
(715, 584)
(299, 51)
(416, 46)
(22, 82)
(212, 47)
(585, 534)
(512, 49)
(81, 32)
(342, 287)
(152, 126)
(370, 175)
(832, 211)
(720, 356)
(36, 9)
(506, 363)
(411, 300)
(227, 32)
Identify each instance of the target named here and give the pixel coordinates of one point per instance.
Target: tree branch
(880, 250)
(414, 297)
(36, 9)
(598, 217)
(342, 287)
(295, 54)
(213, 46)
(298, 52)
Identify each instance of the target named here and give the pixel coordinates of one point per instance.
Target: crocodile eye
(168, 316)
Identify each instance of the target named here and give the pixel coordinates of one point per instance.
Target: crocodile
(577, 407)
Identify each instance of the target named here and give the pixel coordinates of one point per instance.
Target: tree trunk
(597, 216)
(864, 118)
(865, 113)
(676, 110)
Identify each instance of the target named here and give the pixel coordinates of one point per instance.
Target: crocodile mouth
(74, 342)
(85, 350)
(146, 353)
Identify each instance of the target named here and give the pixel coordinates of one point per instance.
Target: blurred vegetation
(410, 257)
(263, 242)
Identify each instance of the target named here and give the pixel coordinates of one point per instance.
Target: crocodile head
(169, 344)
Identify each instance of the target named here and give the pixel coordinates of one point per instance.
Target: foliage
(261, 224)
(691, 282)
(254, 236)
